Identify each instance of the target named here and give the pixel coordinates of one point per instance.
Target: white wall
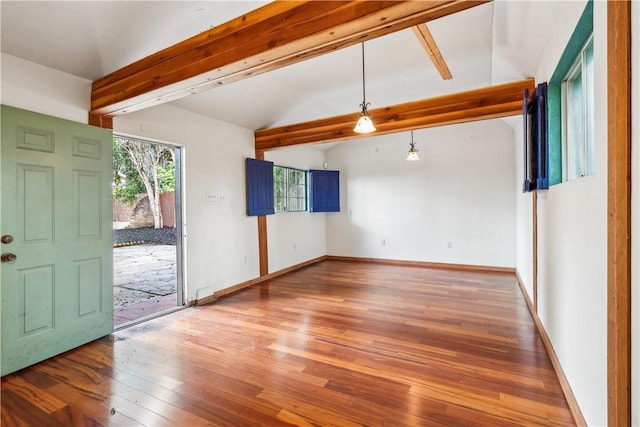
(635, 209)
(295, 237)
(572, 243)
(460, 191)
(222, 241)
(524, 214)
(44, 90)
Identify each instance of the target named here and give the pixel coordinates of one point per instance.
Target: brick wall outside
(139, 215)
(168, 208)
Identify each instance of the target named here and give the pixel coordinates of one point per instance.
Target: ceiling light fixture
(364, 124)
(413, 151)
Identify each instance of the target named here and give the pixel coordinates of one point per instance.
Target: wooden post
(534, 226)
(619, 212)
(263, 246)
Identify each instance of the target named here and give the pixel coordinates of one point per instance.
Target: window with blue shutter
(259, 187)
(324, 191)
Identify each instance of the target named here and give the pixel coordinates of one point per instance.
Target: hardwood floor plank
(37, 397)
(38, 379)
(22, 411)
(11, 417)
(306, 407)
(497, 408)
(336, 343)
(88, 411)
(168, 406)
(138, 413)
(293, 419)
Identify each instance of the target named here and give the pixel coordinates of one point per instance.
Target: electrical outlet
(216, 198)
(384, 242)
(449, 244)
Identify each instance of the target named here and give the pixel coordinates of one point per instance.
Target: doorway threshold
(148, 317)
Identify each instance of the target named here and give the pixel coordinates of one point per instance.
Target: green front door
(55, 220)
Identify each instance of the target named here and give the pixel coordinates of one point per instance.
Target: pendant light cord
(364, 96)
(364, 123)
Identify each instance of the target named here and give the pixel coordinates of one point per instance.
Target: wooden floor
(334, 344)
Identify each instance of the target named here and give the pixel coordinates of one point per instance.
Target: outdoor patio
(144, 281)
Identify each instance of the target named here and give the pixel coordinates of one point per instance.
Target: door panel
(87, 204)
(35, 196)
(36, 299)
(56, 203)
(89, 286)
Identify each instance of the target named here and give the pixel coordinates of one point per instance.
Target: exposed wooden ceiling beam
(276, 35)
(429, 44)
(486, 103)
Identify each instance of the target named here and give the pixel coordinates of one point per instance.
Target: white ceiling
(482, 46)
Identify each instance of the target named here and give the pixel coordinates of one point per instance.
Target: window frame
(582, 32)
(581, 149)
(286, 191)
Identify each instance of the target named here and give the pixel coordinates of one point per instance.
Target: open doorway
(147, 219)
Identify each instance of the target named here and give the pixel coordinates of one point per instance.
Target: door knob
(8, 257)
(6, 238)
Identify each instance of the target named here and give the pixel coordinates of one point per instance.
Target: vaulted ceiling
(482, 46)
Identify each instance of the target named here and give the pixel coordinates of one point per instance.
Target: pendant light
(413, 151)
(364, 124)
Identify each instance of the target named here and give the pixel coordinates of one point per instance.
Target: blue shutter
(535, 150)
(259, 187)
(324, 191)
(542, 136)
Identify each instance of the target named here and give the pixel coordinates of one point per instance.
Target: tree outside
(142, 167)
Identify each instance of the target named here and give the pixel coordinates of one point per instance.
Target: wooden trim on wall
(557, 367)
(534, 249)
(425, 264)
(235, 288)
(619, 212)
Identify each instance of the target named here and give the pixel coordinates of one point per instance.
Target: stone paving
(143, 272)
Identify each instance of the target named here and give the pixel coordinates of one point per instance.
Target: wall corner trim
(555, 362)
(425, 264)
